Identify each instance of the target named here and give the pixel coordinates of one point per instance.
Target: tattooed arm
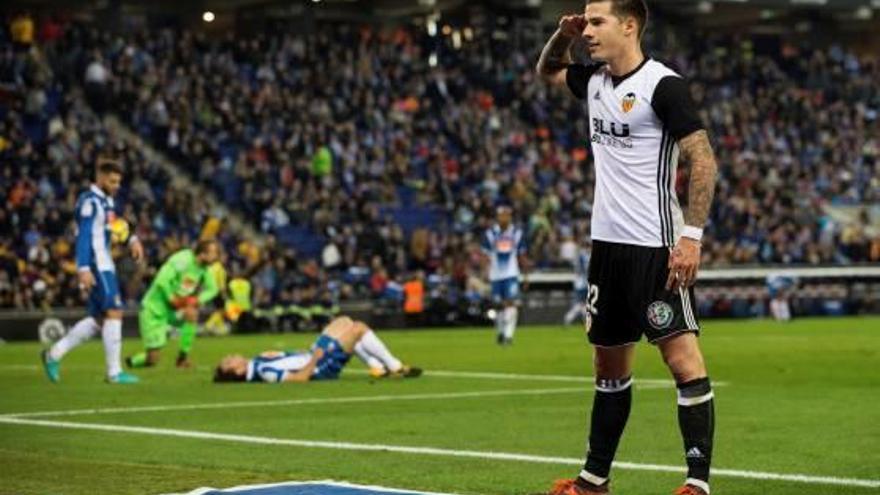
(554, 60)
(697, 153)
(684, 261)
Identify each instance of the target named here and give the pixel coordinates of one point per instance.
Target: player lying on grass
(341, 338)
(183, 283)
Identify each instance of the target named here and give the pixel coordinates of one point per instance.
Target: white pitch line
(294, 402)
(541, 377)
(458, 374)
(16, 367)
(471, 454)
(534, 377)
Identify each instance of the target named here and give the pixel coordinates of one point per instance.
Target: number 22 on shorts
(590, 306)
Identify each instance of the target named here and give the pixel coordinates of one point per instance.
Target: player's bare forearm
(524, 264)
(555, 56)
(697, 154)
(302, 375)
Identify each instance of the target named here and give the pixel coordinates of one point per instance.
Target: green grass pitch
(799, 398)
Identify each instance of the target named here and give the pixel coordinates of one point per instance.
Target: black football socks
(696, 419)
(611, 407)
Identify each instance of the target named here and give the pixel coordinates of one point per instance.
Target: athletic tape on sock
(612, 386)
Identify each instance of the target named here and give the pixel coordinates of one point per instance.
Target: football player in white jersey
(646, 251)
(504, 246)
(96, 271)
(331, 351)
(581, 263)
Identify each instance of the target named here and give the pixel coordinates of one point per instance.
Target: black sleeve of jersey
(577, 76)
(673, 104)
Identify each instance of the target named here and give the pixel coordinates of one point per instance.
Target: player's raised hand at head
(572, 25)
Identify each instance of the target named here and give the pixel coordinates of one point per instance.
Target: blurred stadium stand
(339, 147)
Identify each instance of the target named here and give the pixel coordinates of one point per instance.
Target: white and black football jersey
(636, 121)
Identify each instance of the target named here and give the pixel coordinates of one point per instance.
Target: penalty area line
(433, 451)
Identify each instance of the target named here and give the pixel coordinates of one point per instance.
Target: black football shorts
(627, 296)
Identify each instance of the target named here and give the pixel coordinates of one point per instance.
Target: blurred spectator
(402, 162)
(22, 31)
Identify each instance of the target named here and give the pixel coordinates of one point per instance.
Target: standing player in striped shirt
(646, 252)
(504, 246)
(97, 277)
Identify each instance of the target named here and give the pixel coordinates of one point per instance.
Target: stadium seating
(359, 141)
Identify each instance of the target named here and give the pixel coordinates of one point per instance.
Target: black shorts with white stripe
(628, 296)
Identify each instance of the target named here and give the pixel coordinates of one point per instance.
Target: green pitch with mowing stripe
(798, 413)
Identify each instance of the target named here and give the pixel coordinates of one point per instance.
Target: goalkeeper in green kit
(184, 283)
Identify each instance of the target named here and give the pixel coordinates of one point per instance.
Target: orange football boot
(571, 487)
(690, 490)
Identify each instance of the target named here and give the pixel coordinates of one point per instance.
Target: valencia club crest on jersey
(628, 102)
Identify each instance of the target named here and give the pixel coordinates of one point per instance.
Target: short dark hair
(631, 8)
(221, 376)
(109, 166)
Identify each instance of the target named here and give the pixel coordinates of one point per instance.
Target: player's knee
(685, 365)
(113, 314)
(342, 321)
(606, 368)
(360, 328)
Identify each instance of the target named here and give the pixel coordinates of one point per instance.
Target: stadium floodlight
(208, 16)
(864, 13)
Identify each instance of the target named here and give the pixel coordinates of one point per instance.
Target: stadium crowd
(323, 130)
(49, 143)
(338, 131)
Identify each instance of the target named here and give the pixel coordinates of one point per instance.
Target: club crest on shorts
(660, 314)
(628, 102)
